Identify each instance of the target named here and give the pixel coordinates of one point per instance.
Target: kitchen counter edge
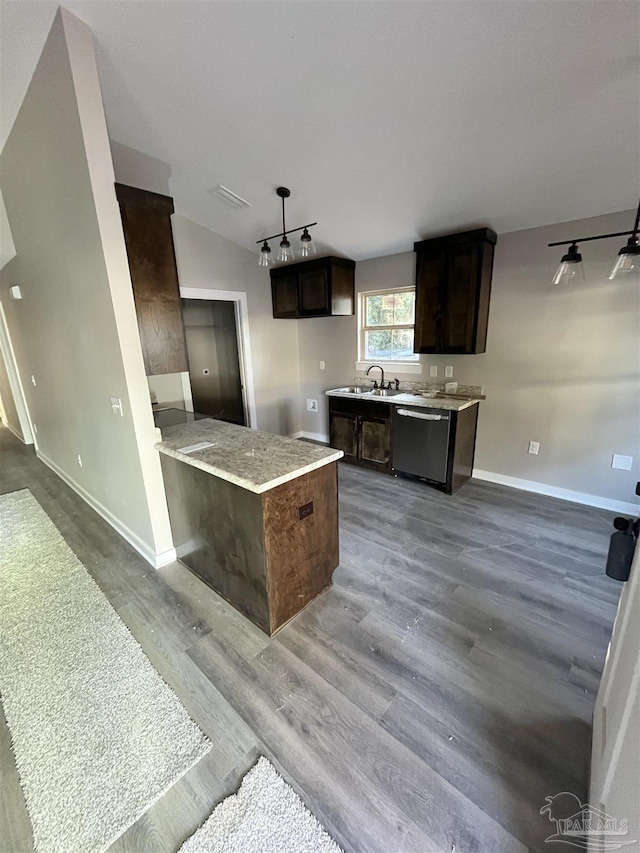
(425, 403)
(238, 480)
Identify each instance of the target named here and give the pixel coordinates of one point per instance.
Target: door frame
(15, 383)
(239, 298)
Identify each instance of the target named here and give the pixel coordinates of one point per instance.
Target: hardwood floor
(429, 701)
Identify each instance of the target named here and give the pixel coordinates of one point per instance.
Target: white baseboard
(313, 436)
(557, 492)
(156, 560)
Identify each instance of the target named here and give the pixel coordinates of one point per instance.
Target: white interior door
(615, 759)
(9, 359)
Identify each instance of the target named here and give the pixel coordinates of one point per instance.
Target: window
(386, 325)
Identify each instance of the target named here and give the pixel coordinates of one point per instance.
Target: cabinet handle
(424, 416)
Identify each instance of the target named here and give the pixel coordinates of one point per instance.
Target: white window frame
(401, 365)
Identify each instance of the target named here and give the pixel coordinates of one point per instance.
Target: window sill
(390, 366)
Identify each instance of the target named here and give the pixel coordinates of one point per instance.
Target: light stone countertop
(407, 399)
(254, 460)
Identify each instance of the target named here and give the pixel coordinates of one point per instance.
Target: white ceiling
(389, 121)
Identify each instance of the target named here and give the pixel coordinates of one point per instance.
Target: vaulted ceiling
(389, 121)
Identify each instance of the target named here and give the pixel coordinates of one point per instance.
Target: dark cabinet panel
(375, 442)
(343, 434)
(362, 430)
(285, 296)
(430, 300)
(314, 293)
(453, 286)
(146, 220)
(321, 287)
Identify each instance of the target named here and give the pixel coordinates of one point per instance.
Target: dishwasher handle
(423, 416)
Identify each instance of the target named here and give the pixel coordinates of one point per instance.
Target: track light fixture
(285, 251)
(627, 262)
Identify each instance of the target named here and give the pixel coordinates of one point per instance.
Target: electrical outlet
(312, 405)
(534, 447)
(33, 379)
(433, 370)
(624, 463)
(322, 365)
(116, 406)
(79, 460)
(448, 372)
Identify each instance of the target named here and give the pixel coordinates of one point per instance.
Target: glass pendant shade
(628, 260)
(570, 268)
(266, 258)
(285, 252)
(307, 247)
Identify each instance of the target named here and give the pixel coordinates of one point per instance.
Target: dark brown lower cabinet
(362, 430)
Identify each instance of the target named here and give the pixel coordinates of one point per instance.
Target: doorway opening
(218, 351)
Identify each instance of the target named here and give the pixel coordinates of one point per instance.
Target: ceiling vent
(229, 198)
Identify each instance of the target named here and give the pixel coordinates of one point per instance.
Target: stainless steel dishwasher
(421, 442)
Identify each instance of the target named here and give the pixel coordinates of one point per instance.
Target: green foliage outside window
(383, 312)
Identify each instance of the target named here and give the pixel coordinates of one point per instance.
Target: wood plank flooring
(427, 703)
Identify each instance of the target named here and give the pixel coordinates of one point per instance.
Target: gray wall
(75, 329)
(561, 367)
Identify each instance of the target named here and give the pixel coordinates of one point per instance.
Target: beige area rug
(265, 816)
(98, 736)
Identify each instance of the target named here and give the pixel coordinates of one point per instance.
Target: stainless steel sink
(369, 392)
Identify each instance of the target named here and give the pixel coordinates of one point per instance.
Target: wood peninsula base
(267, 554)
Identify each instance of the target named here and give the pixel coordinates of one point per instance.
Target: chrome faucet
(375, 384)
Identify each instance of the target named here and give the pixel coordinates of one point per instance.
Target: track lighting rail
(284, 233)
(628, 260)
(587, 239)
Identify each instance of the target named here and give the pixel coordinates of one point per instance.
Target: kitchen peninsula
(254, 515)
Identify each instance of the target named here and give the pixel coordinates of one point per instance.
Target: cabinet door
(462, 282)
(314, 293)
(374, 445)
(156, 293)
(430, 300)
(342, 434)
(284, 292)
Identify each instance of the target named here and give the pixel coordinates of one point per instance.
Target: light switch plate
(448, 372)
(312, 405)
(322, 365)
(433, 370)
(116, 406)
(624, 463)
(534, 447)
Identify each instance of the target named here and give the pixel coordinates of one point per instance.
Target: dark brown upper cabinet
(146, 219)
(321, 287)
(453, 286)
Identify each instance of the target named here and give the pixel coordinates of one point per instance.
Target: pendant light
(307, 247)
(265, 255)
(285, 252)
(627, 263)
(628, 260)
(285, 249)
(570, 268)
